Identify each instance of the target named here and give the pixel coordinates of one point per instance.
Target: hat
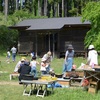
(43, 59)
(70, 47)
(91, 46)
(23, 58)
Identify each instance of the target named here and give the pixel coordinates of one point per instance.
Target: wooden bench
(93, 87)
(13, 75)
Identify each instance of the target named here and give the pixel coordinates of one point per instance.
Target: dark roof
(51, 23)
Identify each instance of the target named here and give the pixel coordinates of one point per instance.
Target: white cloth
(92, 57)
(17, 66)
(43, 66)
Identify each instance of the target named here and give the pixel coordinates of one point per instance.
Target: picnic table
(39, 84)
(94, 78)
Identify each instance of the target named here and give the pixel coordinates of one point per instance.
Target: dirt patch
(8, 83)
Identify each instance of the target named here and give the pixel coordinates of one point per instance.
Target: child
(44, 65)
(33, 64)
(8, 56)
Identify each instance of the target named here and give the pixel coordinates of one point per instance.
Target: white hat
(91, 47)
(43, 59)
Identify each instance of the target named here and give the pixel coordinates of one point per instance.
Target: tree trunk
(45, 7)
(16, 5)
(65, 8)
(58, 9)
(39, 8)
(62, 8)
(6, 9)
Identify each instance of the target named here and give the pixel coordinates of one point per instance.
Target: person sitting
(23, 59)
(44, 65)
(24, 71)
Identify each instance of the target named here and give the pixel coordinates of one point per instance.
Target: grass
(14, 92)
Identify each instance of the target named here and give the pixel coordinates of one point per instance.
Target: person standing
(32, 54)
(14, 51)
(8, 56)
(33, 65)
(92, 59)
(68, 62)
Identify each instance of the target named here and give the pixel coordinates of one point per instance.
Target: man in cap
(23, 59)
(24, 71)
(92, 59)
(68, 62)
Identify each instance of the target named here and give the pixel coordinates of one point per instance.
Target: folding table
(39, 85)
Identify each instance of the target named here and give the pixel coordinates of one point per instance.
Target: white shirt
(17, 66)
(8, 53)
(33, 64)
(48, 58)
(14, 50)
(93, 57)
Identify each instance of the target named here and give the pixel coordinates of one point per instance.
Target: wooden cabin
(54, 34)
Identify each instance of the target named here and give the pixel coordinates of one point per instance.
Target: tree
(91, 13)
(8, 37)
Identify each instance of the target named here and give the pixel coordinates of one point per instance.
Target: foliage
(91, 13)
(8, 37)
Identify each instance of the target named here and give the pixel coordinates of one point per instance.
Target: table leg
(40, 88)
(25, 87)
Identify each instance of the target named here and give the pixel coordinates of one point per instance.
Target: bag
(27, 77)
(72, 74)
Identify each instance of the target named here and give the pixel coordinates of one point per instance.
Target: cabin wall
(43, 42)
(26, 42)
(74, 37)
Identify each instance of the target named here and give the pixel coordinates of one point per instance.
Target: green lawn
(14, 92)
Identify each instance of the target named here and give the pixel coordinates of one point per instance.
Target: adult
(23, 59)
(14, 51)
(24, 70)
(68, 62)
(92, 59)
(48, 58)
